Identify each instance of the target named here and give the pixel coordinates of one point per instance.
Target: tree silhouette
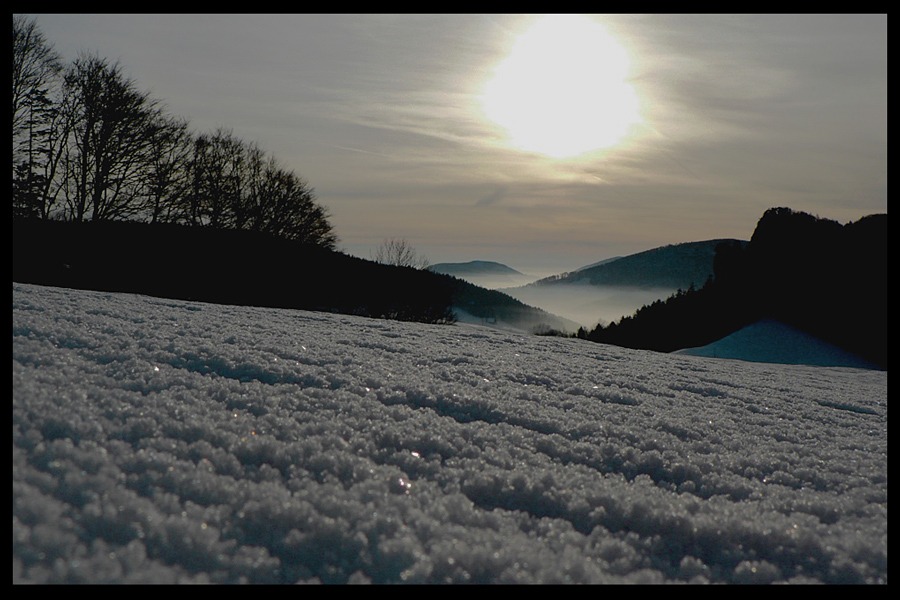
(400, 253)
(233, 185)
(286, 206)
(165, 179)
(35, 73)
(35, 67)
(89, 146)
(113, 128)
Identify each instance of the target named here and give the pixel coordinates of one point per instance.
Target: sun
(563, 89)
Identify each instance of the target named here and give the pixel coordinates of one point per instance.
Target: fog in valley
(499, 281)
(588, 304)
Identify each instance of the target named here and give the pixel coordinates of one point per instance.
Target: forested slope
(824, 278)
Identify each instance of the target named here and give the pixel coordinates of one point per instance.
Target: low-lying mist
(499, 281)
(589, 304)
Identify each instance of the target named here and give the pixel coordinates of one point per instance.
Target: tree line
(89, 145)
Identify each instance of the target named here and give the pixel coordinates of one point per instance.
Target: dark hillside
(223, 267)
(493, 306)
(247, 268)
(824, 278)
(821, 277)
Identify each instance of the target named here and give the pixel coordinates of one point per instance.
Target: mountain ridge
(674, 265)
(597, 264)
(602, 292)
(479, 267)
(483, 273)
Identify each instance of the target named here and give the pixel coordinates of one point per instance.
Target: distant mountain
(609, 289)
(484, 273)
(673, 266)
(598, 263)
(474, 267)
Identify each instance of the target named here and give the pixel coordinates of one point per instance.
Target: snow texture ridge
(170, 441)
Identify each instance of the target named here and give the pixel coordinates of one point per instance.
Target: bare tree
(165, 179)
(235, 186)
(100, 149)
(35, 75)
(287, 207)
(399, 252)
(216, 178)
(112, 133)
(35, 66)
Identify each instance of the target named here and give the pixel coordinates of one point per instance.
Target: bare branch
(399, 252)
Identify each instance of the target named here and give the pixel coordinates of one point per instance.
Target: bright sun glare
(563, 89)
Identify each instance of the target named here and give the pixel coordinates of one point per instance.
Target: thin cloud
(380, 113)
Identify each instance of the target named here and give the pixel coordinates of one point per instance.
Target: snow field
(164, 441)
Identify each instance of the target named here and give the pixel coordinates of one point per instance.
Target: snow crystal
(171, 441)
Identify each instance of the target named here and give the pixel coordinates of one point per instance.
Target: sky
(544, 142)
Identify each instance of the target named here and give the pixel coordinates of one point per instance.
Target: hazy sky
(437, 128)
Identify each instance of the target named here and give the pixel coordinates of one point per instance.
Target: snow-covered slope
(771, 341)
(168, 441)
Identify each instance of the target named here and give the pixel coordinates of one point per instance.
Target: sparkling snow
(165, 441)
